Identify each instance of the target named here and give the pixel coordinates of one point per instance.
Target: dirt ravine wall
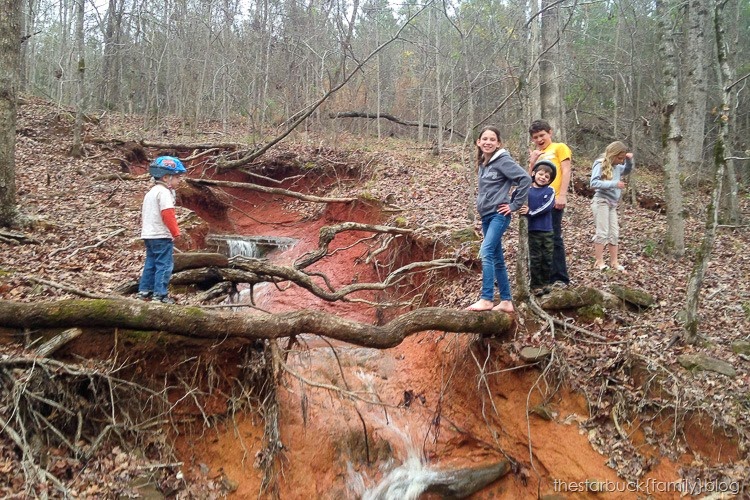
(348, 415)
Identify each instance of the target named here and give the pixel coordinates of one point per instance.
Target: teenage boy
(559, 154)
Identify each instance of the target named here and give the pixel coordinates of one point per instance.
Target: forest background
(669, 78)
(597, 71)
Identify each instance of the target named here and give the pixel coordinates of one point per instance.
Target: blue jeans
(158, 267)
(559, 267)
(493, 261)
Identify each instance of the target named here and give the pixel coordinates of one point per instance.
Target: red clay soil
(433, 398)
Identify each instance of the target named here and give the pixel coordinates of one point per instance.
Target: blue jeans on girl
(493, 261)
(158, 267)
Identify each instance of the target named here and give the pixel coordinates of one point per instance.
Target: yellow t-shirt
(556, 152)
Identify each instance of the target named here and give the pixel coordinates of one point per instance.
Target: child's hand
(504, 209)
(620, 185)
(629, 156)
(534, 155)
(523, 210)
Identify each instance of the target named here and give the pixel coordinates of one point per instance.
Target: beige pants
(605, 218)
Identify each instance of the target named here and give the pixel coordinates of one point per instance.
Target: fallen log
(270, 190)
(386, 116)
(194, 322)
(194, 260)
(54, 344)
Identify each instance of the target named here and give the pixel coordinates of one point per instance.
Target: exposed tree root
(46, 403)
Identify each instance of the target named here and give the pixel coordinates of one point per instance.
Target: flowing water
(243, 248)
(406, 481)
(248, 246)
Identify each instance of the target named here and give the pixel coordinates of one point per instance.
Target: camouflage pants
(540, 257)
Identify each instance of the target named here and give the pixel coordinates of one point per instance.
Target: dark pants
(559, 267)
(540, 257)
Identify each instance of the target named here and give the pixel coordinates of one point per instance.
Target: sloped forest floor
(637, 406)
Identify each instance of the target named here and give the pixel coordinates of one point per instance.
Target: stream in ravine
(381, 424)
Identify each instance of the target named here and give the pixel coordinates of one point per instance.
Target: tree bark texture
(712, 220)
(696, 92)
(199, 323)
(549, 69)
(672, 135)
(10, 54)
(77, 147)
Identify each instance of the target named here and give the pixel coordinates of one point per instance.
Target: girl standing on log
(498, 173)
(605, 179)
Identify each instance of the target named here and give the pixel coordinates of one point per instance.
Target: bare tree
(10, 54)
(693, 108)
(675, 237)
(549, 68)
(109, 90)
(712, 219)
(77, 147)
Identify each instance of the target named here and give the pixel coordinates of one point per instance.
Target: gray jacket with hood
(607, 188)
(495, 182)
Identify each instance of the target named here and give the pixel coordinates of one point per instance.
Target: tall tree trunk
(533, 87)
(729, 206)
(438, 82)
(693, 109)
(10, 55)
(549, 69)
(530, 110)
(671, 133)
(109, 90)
(379, 90)
(704, 257)
(63, 56)
(77, 147)
(28, 49)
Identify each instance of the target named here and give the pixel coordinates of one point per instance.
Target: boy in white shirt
(159, 229)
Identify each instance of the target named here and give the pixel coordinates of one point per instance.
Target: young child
(559, 154)
(605, 179)
(497, 174)
(159, 229)
(539, 212)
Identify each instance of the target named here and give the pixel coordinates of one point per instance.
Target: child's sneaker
(164, 299)
(143, 295)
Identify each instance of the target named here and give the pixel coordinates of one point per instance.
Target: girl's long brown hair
(614, 149)
(499, 141)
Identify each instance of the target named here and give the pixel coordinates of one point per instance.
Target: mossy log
(634, 296)
(571, 298)
(192, 321)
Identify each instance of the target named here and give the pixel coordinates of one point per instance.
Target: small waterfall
(248, 246)
(415, 476)
(405, 482)
(243, 247)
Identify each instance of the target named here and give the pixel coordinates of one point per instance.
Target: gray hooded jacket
(607, 189)
(495, 181)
